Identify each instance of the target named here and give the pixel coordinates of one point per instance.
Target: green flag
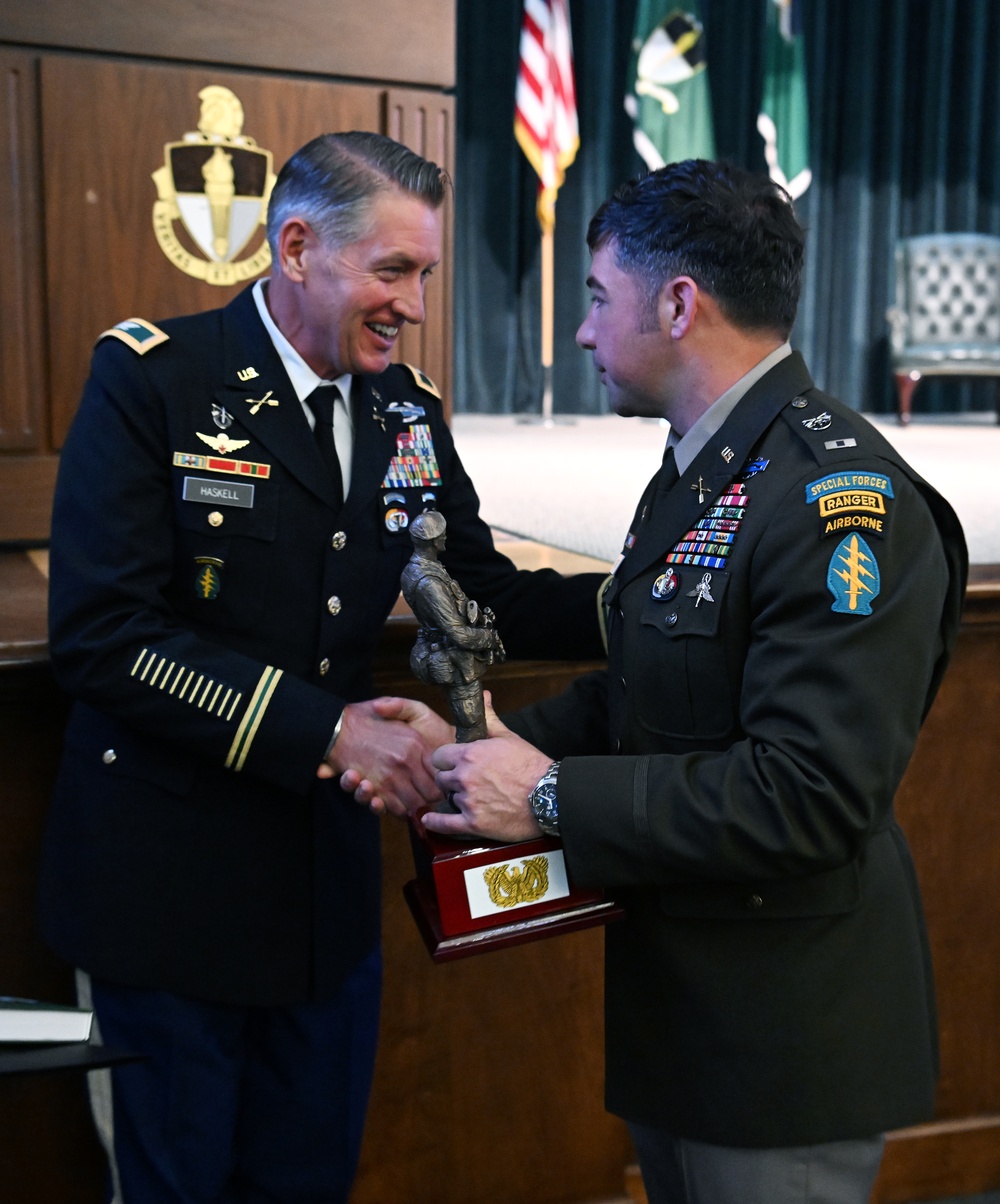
(783, 122)
(668, 98)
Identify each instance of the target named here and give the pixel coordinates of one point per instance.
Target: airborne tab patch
(137, 333)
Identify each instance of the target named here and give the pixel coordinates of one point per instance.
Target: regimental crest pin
(221, 417)
(216, 183)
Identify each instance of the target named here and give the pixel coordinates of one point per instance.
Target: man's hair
(733, 232)
(332, 181)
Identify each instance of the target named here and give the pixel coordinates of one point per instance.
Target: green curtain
(904, 104)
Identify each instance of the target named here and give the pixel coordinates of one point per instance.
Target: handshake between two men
(397, 755)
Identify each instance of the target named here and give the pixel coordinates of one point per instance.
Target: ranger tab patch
(137, 333)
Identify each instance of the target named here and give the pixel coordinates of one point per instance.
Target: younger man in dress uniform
(784, 607)
(229, 530)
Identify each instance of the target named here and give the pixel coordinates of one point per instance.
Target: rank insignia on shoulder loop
(665, 586)
(835, 444)
(208, 581)
(821, 422)
(221, 417)
(255, 403)
(422, 381)
(853, 577)
(137, 333)
(702, 592)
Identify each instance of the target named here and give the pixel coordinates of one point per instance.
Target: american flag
(545, 123)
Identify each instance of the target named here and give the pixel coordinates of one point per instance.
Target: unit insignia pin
(702, 592)
(820, 423)
(378, 417)
(701, 488)
(221, 417)
(665, 586)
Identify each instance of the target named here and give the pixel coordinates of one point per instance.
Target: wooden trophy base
(471, 898)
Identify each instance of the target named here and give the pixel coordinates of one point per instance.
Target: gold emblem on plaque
(216, 183)
(509, 886)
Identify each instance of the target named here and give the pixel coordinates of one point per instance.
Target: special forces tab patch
(137, 333)
(847, 500)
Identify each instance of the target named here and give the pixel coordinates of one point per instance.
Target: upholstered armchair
(946, 319)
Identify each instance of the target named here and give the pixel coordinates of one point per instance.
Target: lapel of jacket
(282, 427)
(717, 465)
(375, 434)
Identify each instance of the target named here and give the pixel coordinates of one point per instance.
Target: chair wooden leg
(906, 382)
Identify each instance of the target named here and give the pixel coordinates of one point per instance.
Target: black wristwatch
(544, 803)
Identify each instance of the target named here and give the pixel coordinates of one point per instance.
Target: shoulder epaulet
(137, 333)
(830, 431)
(422, 380)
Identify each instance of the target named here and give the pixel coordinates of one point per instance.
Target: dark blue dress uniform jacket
(211, 645)
(771, 984)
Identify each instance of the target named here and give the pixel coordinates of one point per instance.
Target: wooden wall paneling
(26, 473)
(947, 807)
(407, 41)
(425, 122)
(21, 355)
(104, 262)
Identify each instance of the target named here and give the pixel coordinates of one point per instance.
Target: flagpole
(548, 323)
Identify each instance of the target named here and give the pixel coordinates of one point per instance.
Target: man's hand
(382, 754)
(489, 781)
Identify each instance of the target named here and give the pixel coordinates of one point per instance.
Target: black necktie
(321, 401)
(669, 476)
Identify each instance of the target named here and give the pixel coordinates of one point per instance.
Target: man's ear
(677, 306)
(295, 239)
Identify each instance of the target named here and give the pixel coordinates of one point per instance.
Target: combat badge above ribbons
(216, 182)
(852, 500)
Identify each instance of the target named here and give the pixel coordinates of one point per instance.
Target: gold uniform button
(339, 541)
(109, 756)
(324, 667)
(333, 605)
(215, 519)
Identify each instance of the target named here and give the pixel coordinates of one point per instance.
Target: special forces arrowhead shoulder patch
(137, 333)
(853, 577)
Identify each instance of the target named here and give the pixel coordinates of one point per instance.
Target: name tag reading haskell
(218, 493)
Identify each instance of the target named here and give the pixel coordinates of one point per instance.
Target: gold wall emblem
(509, 886)
(216, 182)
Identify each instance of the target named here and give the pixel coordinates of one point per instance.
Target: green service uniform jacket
(778, 628)
(212, 610)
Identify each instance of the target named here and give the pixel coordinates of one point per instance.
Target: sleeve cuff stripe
(252, 717)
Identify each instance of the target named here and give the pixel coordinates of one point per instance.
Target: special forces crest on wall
(216, 183)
